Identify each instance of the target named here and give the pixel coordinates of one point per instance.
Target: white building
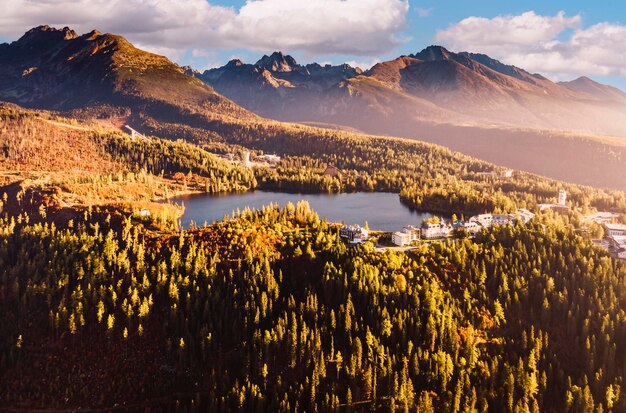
(524, 215)
(414, 232)
(246, 159)
(355, 234)
(615, 230)
(561, 205)
(555, 207)
(562, 197)
(270, 159)
(408, 235)
(602, 217)
(433, 231)
(488, 220)
(401, 238)
(472, 227)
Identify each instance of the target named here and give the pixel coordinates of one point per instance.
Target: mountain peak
(44, 30)
(190, 71)
(595, 89)
(582, 81)
(278, 62)
(234, 63)
(44, 37)
(433, 53)
(93, 34)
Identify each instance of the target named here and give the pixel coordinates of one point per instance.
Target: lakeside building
(401, 239)
(354, 234)
(471, 227)
(408, 235)
(476, 223)
(488, 220)
(414, 232)
(433, 231)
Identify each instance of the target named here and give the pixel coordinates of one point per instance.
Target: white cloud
(543, 43)
(516, 33)
(422, 12)
(357, 27)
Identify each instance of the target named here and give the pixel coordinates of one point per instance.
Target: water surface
(382, 211)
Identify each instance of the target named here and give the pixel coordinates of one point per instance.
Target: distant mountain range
(274, 84)
(468, 102)
(434, 86)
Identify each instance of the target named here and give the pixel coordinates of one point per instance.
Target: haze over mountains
(468, 102)
(434, 86)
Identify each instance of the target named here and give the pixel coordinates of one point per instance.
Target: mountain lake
(381, 210)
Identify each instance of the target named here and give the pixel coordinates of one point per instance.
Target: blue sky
(562, 39)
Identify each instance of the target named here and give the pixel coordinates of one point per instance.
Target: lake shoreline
(383, 211)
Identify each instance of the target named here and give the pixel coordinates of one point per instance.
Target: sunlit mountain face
(434, 85)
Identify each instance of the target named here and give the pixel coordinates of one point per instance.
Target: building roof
(616, 227)
(353, 227)
(602, 216)
(619, 243)
(552, 206)
(401, 234)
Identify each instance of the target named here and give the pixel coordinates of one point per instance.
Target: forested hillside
(271, 312)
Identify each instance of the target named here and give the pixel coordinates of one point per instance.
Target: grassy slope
(66, 166)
